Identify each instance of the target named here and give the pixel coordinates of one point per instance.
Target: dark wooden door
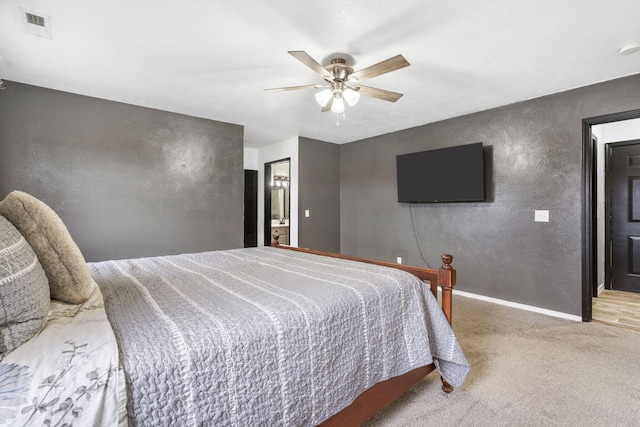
(624, 215)
(250, 208)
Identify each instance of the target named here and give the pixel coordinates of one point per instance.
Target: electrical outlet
(306, 213)
(541, 216)
(399, 260)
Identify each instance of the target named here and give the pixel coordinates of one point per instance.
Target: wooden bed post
(446, 281)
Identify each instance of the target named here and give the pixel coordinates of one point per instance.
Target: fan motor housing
(339, 69)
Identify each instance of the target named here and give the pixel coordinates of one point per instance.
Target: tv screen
(453, 174)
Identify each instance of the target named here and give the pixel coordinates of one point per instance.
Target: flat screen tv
(453, 174)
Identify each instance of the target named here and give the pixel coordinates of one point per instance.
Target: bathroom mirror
(280, 203)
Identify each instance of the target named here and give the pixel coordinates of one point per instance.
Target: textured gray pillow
(24, 290)
(63, 263)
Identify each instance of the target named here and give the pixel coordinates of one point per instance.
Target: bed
(258, 336)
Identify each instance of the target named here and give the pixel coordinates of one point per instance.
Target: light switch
(542, 216)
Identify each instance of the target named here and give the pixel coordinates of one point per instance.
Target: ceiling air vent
(35, 19)
(36, 24)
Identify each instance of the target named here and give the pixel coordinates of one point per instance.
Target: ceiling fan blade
(385, 95)
(380, 68)
(298, 87)
(307, 60)
(327, 106)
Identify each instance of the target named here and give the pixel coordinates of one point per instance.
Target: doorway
(590, 215)
(277, 202)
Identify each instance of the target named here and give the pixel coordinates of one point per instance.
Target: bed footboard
(443, 278)
(381, 394)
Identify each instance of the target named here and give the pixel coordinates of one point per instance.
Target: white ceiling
(213, 59)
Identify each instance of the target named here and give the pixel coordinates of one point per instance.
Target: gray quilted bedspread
(266, 336)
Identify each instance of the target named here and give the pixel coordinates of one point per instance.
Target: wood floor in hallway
(617, 308)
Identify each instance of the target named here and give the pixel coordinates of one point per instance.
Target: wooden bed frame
(374, 399)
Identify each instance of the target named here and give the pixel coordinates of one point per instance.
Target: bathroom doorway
(277, 201)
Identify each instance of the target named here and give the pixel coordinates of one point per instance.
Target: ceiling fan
(343, 83)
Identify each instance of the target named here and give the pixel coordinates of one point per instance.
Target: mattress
(265, 336)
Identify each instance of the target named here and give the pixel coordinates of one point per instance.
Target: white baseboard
(519, 306)
(600, 288)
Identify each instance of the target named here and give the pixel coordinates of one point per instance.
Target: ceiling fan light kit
(323, 97)
(337, 104)
(343, 84)
(351, 96)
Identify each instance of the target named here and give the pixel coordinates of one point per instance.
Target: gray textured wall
(319, 192)
(127, 181)
(535, 159)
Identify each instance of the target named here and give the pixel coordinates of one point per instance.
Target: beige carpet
(528, 369)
